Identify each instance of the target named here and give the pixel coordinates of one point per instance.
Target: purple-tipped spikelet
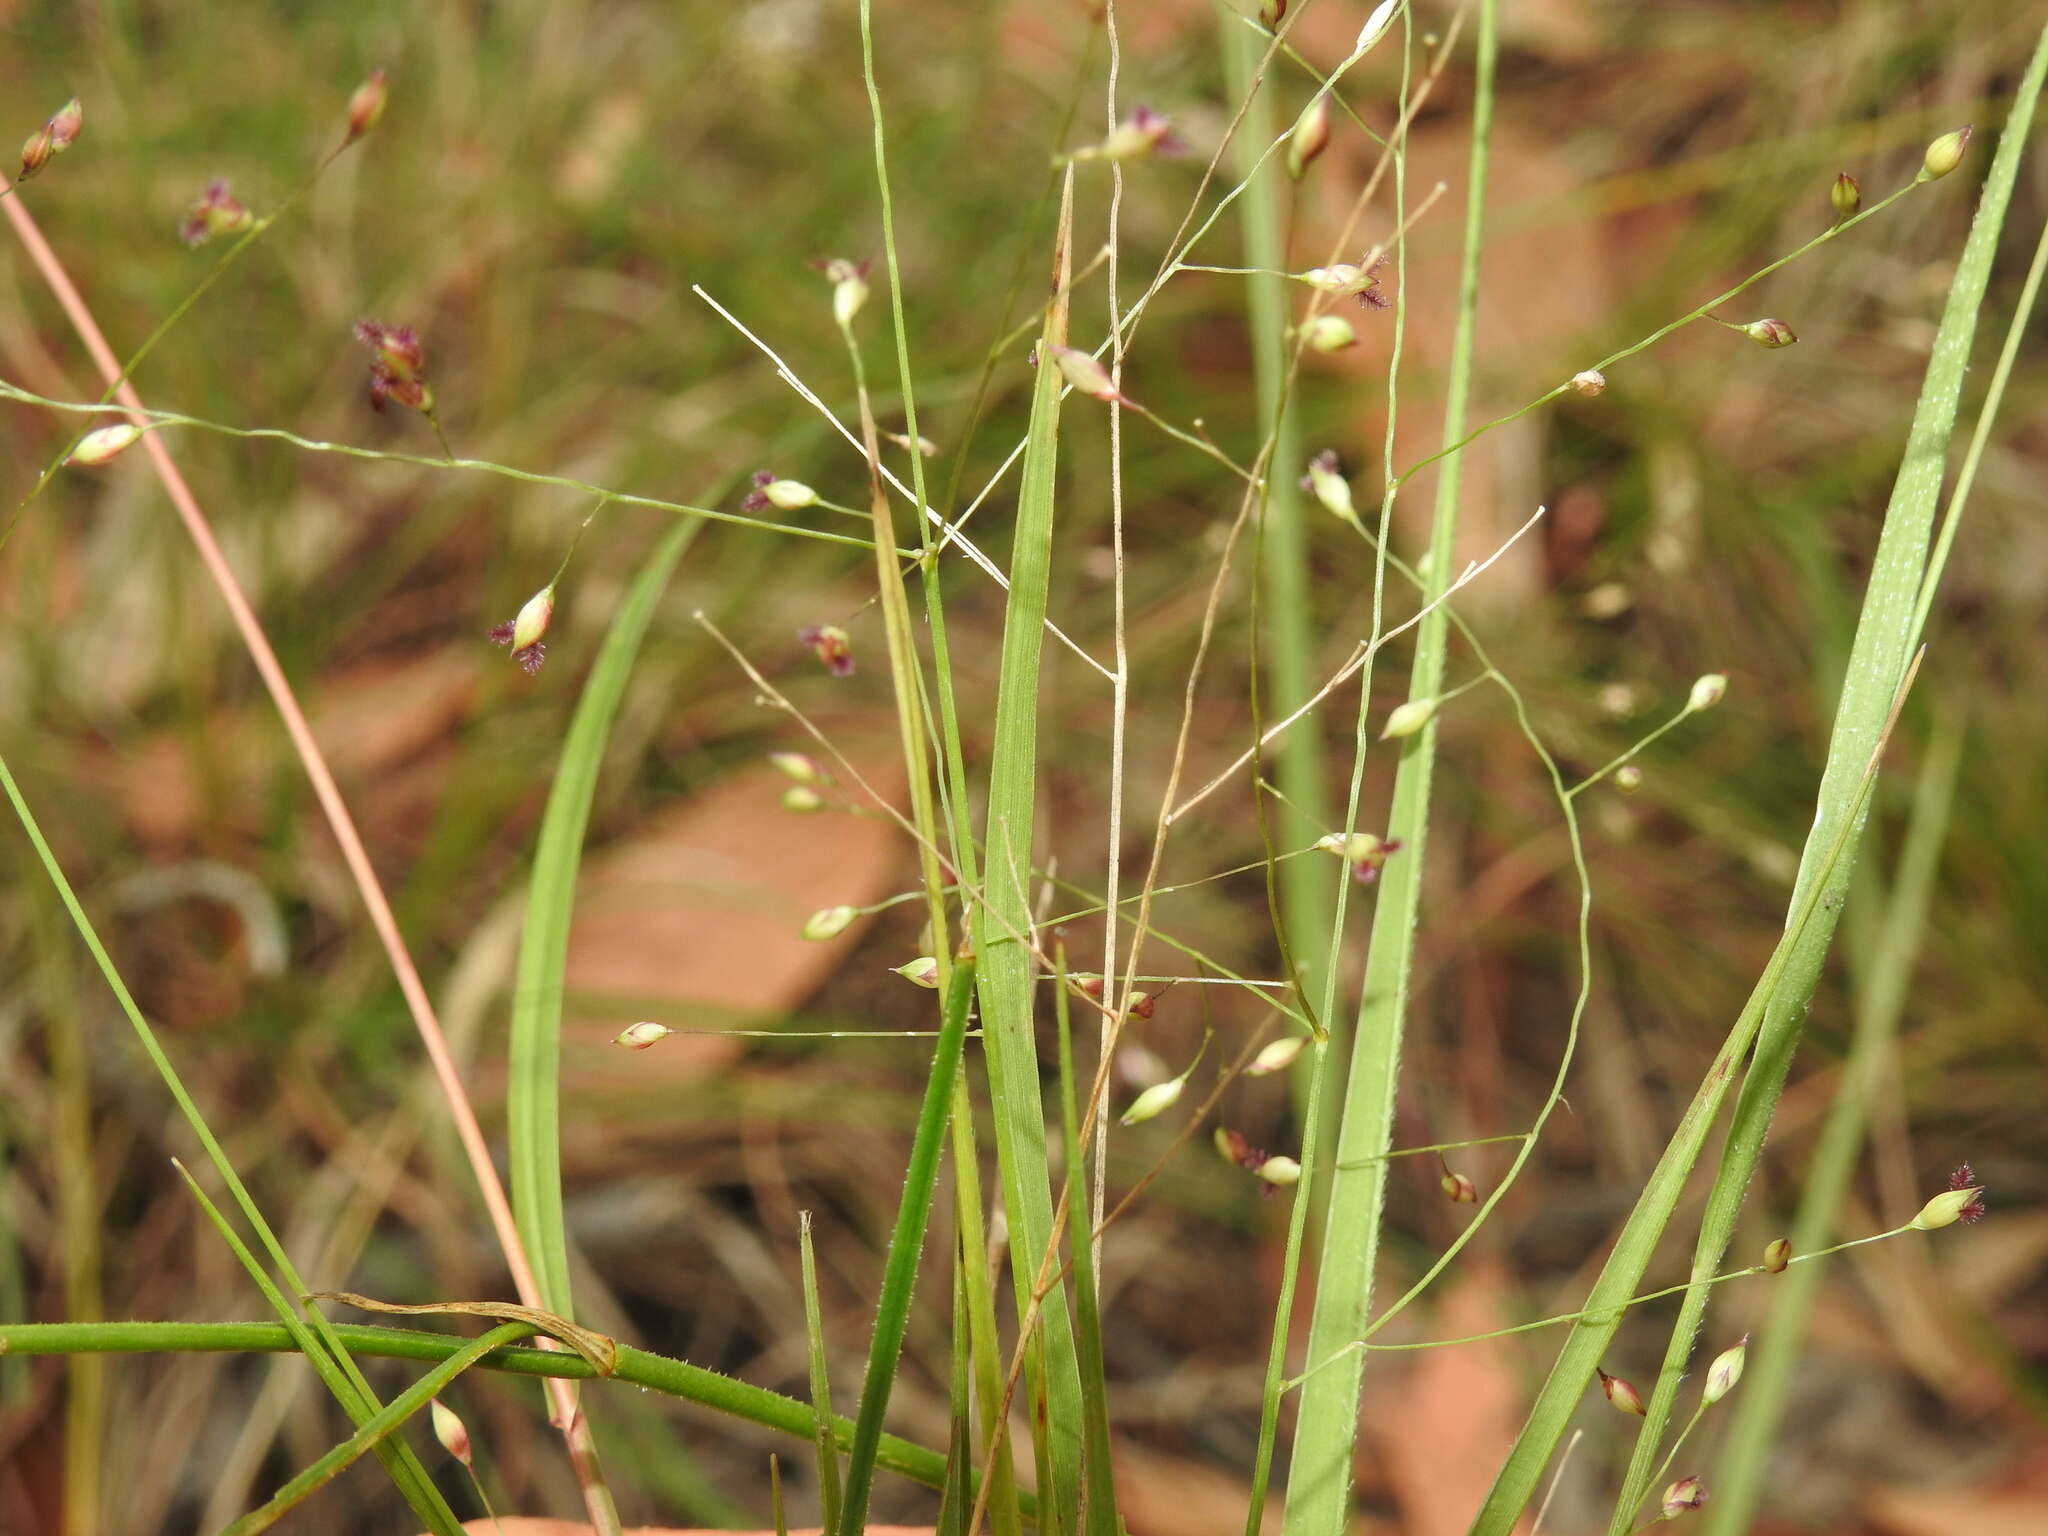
(52, 139)
(398, 369)
(216, 212)
(831, 645)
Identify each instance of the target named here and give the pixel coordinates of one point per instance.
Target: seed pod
(638, 1037)
(450, 1431)
(1628, 778)
(1408, 718)
(1590, 382)
(1621, 1394)
(1725, 1372)
(1845, 196)
(1155, 1100)
(802, 799)
(1329, 486)
(1276, 1056)
(1707, 692)
(1375, 26)
(924, 971)
(52, 139)
(1769, 333)
(1945, 154)
(1328, 333)
(1683, 1497)
(102, 444)
(366, 106)
(1085, 373)
(798, 766)
(1310, 135)
(1777, 1254)
(829, 922)
(1281, 1171)
(1949, 1207)
(1458, 1189)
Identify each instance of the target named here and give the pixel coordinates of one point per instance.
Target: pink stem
(561, 1392)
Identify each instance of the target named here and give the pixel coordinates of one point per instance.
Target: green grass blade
(532, 1104)
(322, 1347)
(1766, 1383)
(375, 1430)
(906, 1247)
(1886, 634)
(1008, 1036)
(821, 1382)
(1621, 1276)
(1319, 1478)
(363, 1408)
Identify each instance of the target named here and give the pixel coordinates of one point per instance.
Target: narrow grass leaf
(1008, 1036)
(322, 1347)
(1887, 632)
(532, 1103)
(1319, 1478)
(906, 1247)
(375, 1430)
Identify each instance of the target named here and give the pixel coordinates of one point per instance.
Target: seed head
(799, 767)
(1628, 778)
(924, 970)
(1280, 1171)
(1590, 382)
(1707, 692)
(782, 495)
(102, 444)
(1328, 333)
(1725, 1372)
(1458, 1189)
(1155, 1100)
(1962, 1201)
(366, 106)
(1231, 1146)
(1326, 480)
(1769, 333)
(1310, 135)
(831, 645)
(1621, 1394)
(398, 368)
(1777, 1255)
(1142, 133)
(1845, 196)
(1945, 154)
(524, 633)
(1085, 373)
(1270, 14)
(216, 212)
(52, 139)
(924, 447)
(1362, 851)
(849, 280)
(1683, 1497)
(1276, 1056)
(829, 922)
(1375, 26)
(451, 1432)
(638, 1037)
(1408, 718)
(802, 799)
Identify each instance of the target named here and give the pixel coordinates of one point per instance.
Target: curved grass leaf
(532, 1106)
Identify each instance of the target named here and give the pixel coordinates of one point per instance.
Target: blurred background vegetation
(551, 179)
